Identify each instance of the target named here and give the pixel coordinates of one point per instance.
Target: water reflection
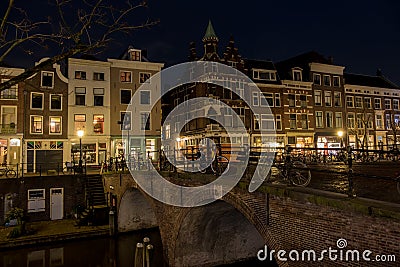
(97, 252)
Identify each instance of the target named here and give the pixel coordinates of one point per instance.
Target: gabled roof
(366, 80)
(259, 64)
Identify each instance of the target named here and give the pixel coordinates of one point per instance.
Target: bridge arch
(135, 211)
(218, 233)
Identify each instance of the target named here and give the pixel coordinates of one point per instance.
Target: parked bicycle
(9, 173)
(292, 171)
(218, 166)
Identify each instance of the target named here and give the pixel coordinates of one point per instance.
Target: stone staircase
(96, 209)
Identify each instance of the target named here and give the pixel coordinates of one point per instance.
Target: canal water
(96, 252)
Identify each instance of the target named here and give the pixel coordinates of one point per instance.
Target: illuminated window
(55, 125)
(98, 124)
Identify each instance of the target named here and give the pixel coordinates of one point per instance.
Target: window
(358, 102)
(144, 77)
(55, 102)
(328, 98)
(79, 121)
(318, 119)
(135, 55)
(367, 102)
(8, 119)
(370, 121)
(338, 120)
(350, 120)
(377, 103)
(360, 121)
(292, 121)
(292, 100)
(388, 118)
(11, 93)
(336, 81)
(125, 76)
(304, 121)
(329, 119)
(98, 124)
(55, 125)
(36, 200)
(318, 98)
(338, 99)
(264, 75)
(317, 79)
(278, 122)
(47, 79)
(125, 96)
(379, 122)
(255, 99)
(98, 94)
(145, 97)
(277, 100)
(98, 76)
(145, 121)
(395, 104)
(267, 122)
(327, 80)
(267, 100)
(297, 75)
(37, 100)
(303, 101)
(36, 124)
(387, 104)
(126, 120)
(350, 101)
(80, 96)
(256, 122)
(80, 75)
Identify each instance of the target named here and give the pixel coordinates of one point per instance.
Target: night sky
(361, 35)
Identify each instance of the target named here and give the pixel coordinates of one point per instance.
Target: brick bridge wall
(298, 220)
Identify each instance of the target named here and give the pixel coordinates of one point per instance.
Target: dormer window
(135, 55)
(264, 75)
(297, 75)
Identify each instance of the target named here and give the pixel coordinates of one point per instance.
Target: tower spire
(210, 33)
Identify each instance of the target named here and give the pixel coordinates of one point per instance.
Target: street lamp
(340, 134)
(80, 134)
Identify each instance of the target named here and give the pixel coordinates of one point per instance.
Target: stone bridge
(238, 225)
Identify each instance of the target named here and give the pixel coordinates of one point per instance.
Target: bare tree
(71, 27)
(394, 127)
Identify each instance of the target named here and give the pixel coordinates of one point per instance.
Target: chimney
(330, 59)
(379, 72)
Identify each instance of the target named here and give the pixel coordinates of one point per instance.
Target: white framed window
(145, 121)
(318, 98)
(125, 76)
(278, 120)
(350, 101)
(387, 104)
(370, 121)
(126, 120)
(277, 99)
(350, 120)
(10, 93)
(145, 97)
(338, 120)
(388, 118)
(379, 121)
(292, 100)
(55, 125)
(297, 76)
(304, 121)
(303, 101)
(267, 100)
(328, 98)
(37, 101)
(144, 77)
(377, 103)
(319, 119)
(267, 122)
(125, 96)
(367, 102)
(360, 120)
(36, 200)
(257, 122)
(327, 80)
(329, 119)
(79, 122)
(98, 76)
(80, 75)
(358, 103)
(337, 99)
(395, 104)
(264, 75)
(293, 121)
(98, 97)
(36, 124)
(255, 99)
(317, 78)
(47, 79)
(98, 123)
(55, 102)
(336, 81)
(8, 119)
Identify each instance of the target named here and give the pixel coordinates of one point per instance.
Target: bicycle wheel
(220, 165)
(300, 175)
(11, 174)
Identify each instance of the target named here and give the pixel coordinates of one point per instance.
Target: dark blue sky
(361, 35)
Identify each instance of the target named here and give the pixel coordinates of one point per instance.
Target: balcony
(8, 128)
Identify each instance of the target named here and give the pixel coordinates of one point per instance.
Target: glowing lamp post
(340, 134)
(80, 134)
